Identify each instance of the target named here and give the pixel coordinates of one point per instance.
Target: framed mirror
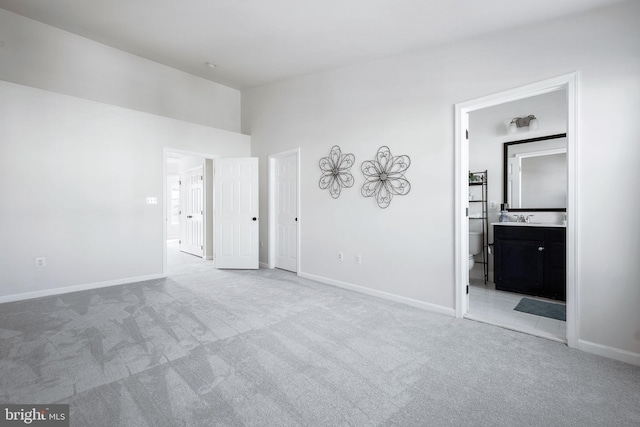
(535, 174)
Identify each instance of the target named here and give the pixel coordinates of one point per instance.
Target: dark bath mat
(542, 308)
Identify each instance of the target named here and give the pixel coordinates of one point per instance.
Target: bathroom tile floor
(486, 304)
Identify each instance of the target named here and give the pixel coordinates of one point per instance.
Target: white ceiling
(254, 42)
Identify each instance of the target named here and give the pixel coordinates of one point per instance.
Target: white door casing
(192, 211)
(568, 83)
(236, 213)
(286, 212)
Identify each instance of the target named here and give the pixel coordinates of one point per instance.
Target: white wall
(407, 102)
(189, 162)
(82, 132)
(38, 55)
(74, 175)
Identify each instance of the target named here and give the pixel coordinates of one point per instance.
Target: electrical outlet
(340, 256)
(359, 259)
(41, 262)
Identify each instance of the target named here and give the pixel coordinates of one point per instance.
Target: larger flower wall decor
(336, 171)
(384, 177)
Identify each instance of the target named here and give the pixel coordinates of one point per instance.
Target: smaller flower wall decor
(384, 177)
(336, 171)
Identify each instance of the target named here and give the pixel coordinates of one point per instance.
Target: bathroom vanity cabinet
(530, 260)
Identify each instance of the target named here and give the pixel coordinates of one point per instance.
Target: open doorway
(188, 211)
(563, 86)
(522, 168)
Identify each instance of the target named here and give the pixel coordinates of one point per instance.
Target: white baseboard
(610, 352)
(380, 294)
(76, 288)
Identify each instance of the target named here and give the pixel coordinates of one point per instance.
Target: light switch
(152, 200)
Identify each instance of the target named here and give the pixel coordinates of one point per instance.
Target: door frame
(271, 244)
(569, 83)
(166, 152)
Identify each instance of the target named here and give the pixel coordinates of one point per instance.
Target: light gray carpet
(266, 348)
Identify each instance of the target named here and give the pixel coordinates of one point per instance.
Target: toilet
(475, 246)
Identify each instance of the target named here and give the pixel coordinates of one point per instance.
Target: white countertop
(530, 224)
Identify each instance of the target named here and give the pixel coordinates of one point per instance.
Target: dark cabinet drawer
(513, 232)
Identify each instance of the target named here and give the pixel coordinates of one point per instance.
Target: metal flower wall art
(384, 177)
(336, 171)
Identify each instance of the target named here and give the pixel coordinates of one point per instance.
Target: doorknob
(189, 216)
(254, 218)
(296, 219)
(540, 248)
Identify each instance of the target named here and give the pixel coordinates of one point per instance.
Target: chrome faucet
(522, 218)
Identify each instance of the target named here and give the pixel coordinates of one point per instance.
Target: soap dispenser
(503, 213)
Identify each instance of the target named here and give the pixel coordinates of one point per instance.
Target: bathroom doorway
(563, 87)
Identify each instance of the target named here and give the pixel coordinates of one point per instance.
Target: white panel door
(286, 215)
(236, 213)
(192, 211)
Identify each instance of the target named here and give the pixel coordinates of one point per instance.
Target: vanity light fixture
(519, 122)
